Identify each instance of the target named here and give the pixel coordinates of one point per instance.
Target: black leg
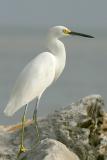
(22, 148)
(35, 121)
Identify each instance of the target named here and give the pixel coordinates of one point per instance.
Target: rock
(81, 126)
(50, 149)
(7, 149)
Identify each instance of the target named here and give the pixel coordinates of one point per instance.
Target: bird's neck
(57, 48)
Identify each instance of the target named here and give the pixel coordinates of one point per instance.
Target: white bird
(39, 74)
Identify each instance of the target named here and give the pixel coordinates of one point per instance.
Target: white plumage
(32, 81)
(41, 71)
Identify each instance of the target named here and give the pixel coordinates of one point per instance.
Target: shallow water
(85, 71)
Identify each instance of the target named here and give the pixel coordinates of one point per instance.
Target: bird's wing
(32, 81)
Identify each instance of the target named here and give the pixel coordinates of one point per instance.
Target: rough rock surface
(50, 149)
(82, 127)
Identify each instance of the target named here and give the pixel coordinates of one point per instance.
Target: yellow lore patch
(66, 31)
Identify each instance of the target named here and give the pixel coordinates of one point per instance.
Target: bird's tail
(10, 109)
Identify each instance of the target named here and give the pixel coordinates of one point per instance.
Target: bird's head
(61, 31)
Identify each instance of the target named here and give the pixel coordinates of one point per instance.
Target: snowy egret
(39, 74)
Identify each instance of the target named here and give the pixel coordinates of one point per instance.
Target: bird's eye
(65, 31)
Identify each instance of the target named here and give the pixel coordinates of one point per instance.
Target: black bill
(80, 34)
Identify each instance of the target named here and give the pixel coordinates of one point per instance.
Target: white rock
(50, 149)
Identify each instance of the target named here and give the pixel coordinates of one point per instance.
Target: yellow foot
(21, 150)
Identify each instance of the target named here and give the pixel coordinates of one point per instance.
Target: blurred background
(23, 26)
